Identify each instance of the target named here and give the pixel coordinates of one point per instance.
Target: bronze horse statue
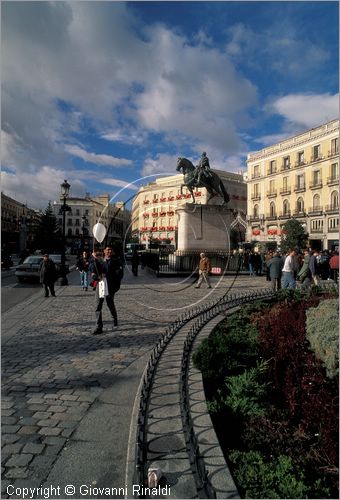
(213, 184)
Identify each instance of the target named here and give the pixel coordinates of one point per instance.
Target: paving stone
(42, 462)
(68, 424)
(12, 449)
(68, 397)
(47, 422)
(27, 421)
(28, 429)
(53, 449)
(19, 460)
(55, 409)
(54, 440)
(67, 433)
(6, 404)
(17, 472)
(9, 438)
(8, 420)
(34, 448)
(42, 414)
(7, 413)
(50, 431)
(9, 429)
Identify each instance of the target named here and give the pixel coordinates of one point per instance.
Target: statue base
(204, 228)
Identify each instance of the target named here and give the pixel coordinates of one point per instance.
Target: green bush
(247, 391)
(322, 332)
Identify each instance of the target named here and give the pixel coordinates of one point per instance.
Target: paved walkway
(68, 395)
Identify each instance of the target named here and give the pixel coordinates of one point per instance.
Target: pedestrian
(135, 262)
(83, 265)
(251, 263)
(48, 275)
(289, 270)
(314, 267)
(95, 262)
(258, 264)
(304, 275)
(274, 267)
(334, 266)
(268, 257)
(111, 268)
(204, 270)
(324, 265)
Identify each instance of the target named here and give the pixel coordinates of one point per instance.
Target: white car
(29, 269)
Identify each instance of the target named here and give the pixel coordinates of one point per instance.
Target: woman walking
(83, 268)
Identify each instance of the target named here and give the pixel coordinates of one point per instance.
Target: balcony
(271, 171)
(300, 163)
(333, 229)
(285, 166)
(285, 191)
(332, 209)
(271, 216)
(315, 211)
(272, 193)
(255, 176)
(332, 181)
(299, 188)
(333, 152)
(255, 196)
(315, 158)
(285, 215)
(254, 218)
(299, 213)
(315, 185)
(317, 230)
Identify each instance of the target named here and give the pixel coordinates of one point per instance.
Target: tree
(293, 235)
(48, 235)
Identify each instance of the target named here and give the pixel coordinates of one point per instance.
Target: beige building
(18, 224)
(298, 177)
(86, 212)
(154, 209)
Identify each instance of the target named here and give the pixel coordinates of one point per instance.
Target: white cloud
(97, 159)
(308, 110)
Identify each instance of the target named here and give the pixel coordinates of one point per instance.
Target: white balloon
(99, 231)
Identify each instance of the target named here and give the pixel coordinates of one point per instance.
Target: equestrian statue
(201, 176)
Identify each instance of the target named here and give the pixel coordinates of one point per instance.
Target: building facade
(18, 225)
(85, 212)
(298, 177)
(154, 209)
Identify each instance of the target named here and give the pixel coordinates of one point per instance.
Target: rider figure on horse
(203, 167)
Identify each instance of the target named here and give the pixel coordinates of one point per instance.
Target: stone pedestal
(204, 228)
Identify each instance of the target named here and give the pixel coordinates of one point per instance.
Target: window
(300, 181)
(86, 212)
(272, 209)
(286, 162)
(316, 152)
(256, 211)
(285, 207)
(317, 225)
(316, 177)
(334, 146)
(77, 222)
(256, 171)
(285, 184)
(301, 158)
(272, 166)
(77, 232)
(69, 222)
(300, 205)
(333, 223)
(69, 232)
(316, 202)
(334, 171)
(271, 186)
(77, 211)
(334, 199)
(256, 191)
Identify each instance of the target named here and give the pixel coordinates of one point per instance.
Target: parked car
(29, 269)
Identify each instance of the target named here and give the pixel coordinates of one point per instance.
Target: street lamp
(84, 230)
(65, 190)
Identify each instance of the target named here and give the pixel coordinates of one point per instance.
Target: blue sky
(106, 93)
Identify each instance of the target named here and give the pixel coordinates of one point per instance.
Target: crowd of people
(294, 268)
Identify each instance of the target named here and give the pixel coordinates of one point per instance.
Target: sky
(108, 94)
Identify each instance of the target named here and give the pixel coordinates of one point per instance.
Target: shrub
(322, 331)
(258, 478)
(247, 391)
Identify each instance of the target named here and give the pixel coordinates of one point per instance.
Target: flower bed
(273, 401)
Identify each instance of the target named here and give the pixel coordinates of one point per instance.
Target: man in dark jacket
(48, 275)
(275, 265)
(110, 268)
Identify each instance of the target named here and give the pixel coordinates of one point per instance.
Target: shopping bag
(103, 288)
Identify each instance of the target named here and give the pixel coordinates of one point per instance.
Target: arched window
(286, 207)
(256, 210)
(69, 232)
(272, 209)
(300, 206)
(316, 202)
(335, 199)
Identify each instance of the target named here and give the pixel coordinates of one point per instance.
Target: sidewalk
(68, 395)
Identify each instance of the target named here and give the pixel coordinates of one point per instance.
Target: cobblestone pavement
(67, 395)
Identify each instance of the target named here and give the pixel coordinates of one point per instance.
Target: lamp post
(65, 190)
